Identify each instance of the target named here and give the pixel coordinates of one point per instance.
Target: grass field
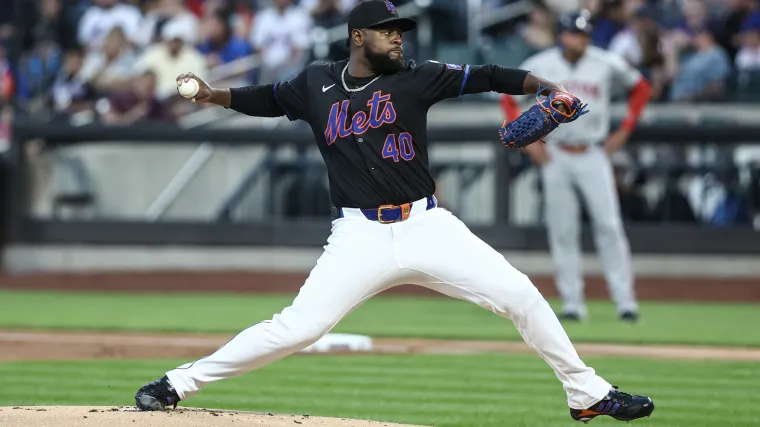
(478, 391)
(442, 390)
(665, 323)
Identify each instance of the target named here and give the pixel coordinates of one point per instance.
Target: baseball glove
(541, 119)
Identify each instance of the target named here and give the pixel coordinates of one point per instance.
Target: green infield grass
(441, 390)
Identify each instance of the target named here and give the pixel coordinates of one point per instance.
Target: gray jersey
(593, 79)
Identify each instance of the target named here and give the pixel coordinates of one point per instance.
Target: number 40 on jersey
(401, 147)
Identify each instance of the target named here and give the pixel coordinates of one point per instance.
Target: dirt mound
(83, 416)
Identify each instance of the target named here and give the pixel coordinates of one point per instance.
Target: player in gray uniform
(575, 159)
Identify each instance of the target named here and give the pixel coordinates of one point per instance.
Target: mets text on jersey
(339, 125)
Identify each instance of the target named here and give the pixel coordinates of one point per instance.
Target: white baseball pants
(432, 248)
(591, 174)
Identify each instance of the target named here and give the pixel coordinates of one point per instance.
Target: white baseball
(188, 89)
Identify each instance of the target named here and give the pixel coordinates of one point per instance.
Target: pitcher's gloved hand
(542, 118)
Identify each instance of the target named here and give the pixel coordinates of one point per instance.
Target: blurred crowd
(691, 50)
(117, 59)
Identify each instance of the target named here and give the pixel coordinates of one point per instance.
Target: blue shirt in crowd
(700, 70)
(234, 49)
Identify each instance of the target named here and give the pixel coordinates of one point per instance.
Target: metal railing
(650, 236)
(179, 181)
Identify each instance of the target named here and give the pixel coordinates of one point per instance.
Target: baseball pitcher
(368, 116)
(574, 160)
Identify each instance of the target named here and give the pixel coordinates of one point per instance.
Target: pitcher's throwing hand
(204, 90)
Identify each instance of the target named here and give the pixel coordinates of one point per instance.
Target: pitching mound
(84, 416)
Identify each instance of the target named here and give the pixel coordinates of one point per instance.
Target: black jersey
(373, 141)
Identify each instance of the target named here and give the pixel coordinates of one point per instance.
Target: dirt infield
(647, 288)
(71, 416)
(27, 345)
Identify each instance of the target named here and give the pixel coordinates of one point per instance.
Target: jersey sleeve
(440, 81)
(622, 71)
(293, 96)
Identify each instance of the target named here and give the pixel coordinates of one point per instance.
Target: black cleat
(570, 317)
(618, 405)
(156, 396)
(629, 316)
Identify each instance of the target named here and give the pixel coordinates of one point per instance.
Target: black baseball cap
(576, 22)
(374, 13)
